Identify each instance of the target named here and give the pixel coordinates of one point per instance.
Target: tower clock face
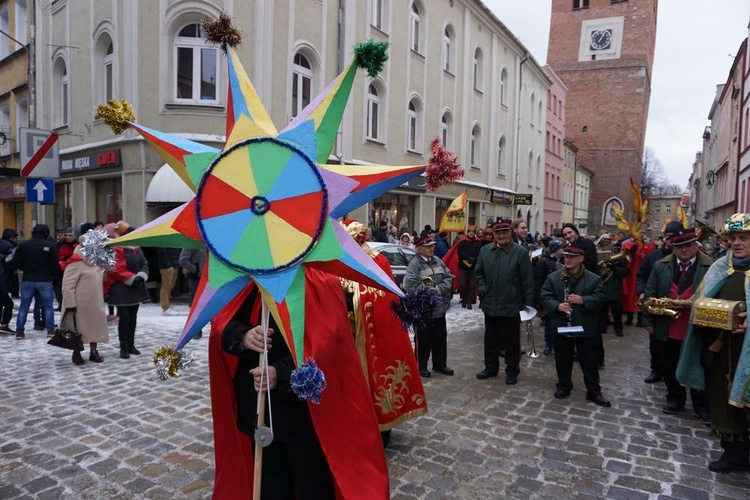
(601, 39)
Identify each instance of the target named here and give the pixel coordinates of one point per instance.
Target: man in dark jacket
(37, 259)
(641, 278)
(614, 272)
(677, 276)
(468, 251)
(576, 296)
(571, 235)
(379, 234)
(548, 264)
(506, 284)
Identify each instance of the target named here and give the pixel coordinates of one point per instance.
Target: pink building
(554, 152)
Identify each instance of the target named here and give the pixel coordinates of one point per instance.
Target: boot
(629, 320)
(124, 348)
(131, 344)
(639, 321)
(94, 354)
(77, 359)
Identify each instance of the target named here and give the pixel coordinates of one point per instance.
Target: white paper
(527, 316)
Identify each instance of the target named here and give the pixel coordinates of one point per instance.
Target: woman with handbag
(83, 302)
(127, 287)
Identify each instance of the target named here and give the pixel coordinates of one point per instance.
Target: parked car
(398, 256)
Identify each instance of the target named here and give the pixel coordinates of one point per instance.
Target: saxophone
(663, 306)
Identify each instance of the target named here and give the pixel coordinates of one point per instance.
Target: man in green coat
(677, 276)
(576, 296)
(506, 285)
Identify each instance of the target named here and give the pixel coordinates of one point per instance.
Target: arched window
(373, 112)
(504, 87)
(475, 147)
(302, 76)
(196, 67)
(478, 69)
(501, 156)
(530, 170)
(413, 125)
(532, 107)
(376, 13)
(60, 94)
(109, 68)
(446, 132)
(448, 49)
(540, 112)
(415, 33)
(538, 172)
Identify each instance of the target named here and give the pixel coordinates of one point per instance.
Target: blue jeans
(28, 289)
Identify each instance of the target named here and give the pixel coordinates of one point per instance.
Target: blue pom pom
(308, 382)
(416, 307)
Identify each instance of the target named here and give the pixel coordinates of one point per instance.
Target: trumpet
(428, 282)
(606, 263)
(663, 306)
(533, 353)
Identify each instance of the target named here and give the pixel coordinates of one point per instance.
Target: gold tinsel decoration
(222, 32)
(167, 362)
(116, 114)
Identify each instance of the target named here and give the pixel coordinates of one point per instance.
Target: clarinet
(566, 293)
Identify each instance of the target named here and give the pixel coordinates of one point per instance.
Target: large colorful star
(266, 205)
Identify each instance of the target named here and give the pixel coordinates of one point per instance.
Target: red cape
(451, 262)
(344, 420)
(638, 252)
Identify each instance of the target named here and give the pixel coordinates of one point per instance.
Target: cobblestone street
(115, 431)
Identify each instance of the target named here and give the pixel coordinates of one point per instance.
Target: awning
(167, 187)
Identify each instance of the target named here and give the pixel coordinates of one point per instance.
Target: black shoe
(724, 467)
(463, 306)
(124, 354)
(653, 378)
(425, 373)
(672, 407)
(19, 335)
(501, 353)
(599, 399)
(133, 350)
(446, 370)
(511, 379)
(704, 416)
(547, 351)
(561, 394)
(198, 335)
(38, 326)
(618, 333)
(50, 332)
(486, 374)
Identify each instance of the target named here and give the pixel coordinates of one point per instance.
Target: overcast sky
(695, 46)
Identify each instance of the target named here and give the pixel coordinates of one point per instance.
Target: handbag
(67, 339)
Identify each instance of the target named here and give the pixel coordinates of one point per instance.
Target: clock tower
(603, 51)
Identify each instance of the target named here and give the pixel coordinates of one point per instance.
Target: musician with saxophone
(576, 296)
(671, 285)
(613, 268)
(426, 269)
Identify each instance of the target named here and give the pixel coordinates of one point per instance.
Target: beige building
(581, 213)
(455, 72)
(568, 180)
(662, 209)
(14, 103)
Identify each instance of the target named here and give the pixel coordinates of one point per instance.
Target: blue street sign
(40, 190)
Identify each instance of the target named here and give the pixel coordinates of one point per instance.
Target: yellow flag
(682, 215)
(622, 222)
(454, 219)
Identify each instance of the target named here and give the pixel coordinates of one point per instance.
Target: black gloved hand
(137, 281)
(71, 309)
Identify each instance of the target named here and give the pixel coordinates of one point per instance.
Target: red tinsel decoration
(443, 167)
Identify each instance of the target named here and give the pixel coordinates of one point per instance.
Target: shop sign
(90, 161)
(13, 190)
(523, 199)
(501, 197)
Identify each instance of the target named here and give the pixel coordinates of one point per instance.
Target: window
(539, 113)
(501, 156)
(446, 132)
(412, 126)
(414, 31)
(504, 87)
(60, 94)
(447, 50)
(20, 23)
(580, 4)
(478, 69)
(667, 208)
(538, 172)
(301, 84)
(475, 147)
(196, 67)
(22, 117)
(5, 129)
(376, 13)
(531, 110)
(657, 208)
(530, 170)
(4, 40)
(109, 58)
(373, 112)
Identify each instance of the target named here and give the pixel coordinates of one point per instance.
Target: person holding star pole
(265, 207)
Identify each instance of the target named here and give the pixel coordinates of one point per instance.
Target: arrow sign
(40, 190)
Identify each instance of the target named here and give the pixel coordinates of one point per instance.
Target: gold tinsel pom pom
(221, 31)
(167, 362)
(116, 114)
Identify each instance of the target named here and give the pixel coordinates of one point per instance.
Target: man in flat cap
(506, 284)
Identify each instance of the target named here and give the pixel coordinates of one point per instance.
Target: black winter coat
(37, 258)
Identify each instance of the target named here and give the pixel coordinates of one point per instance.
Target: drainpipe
(527, 56)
